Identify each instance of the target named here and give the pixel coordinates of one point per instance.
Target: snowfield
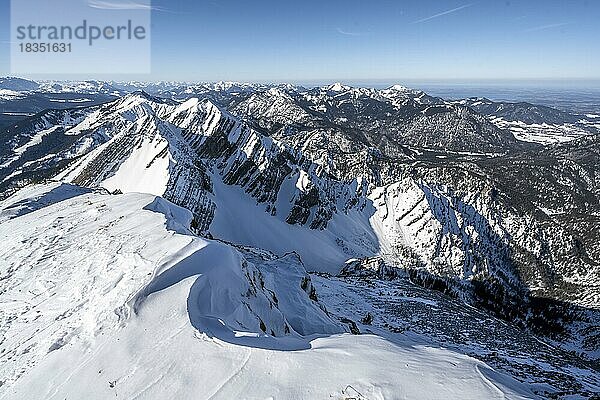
(541, 133)
(111, 296)
(6, 94)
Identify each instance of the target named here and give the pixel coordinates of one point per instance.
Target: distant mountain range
(495, 204)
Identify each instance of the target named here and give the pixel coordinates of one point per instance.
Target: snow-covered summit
(159, 312)
(337, 87)
(399, 88)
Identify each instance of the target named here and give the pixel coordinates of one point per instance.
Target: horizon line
(123, 78)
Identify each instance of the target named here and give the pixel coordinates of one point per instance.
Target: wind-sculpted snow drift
(111, 295)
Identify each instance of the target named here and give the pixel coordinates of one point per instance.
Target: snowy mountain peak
(404, 184)
(399, 88)
(189, 103)
(337, 87)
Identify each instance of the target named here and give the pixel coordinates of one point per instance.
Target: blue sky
(350, 40)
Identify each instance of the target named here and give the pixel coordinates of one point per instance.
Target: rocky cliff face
(397, 115)
(338, 173)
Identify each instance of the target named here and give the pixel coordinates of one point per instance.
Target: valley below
(228, 240)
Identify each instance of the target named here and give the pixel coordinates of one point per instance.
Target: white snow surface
(144, 171)
(321, 250)
(6, 94)
(35, 140)
(110, 296)
(540, 133)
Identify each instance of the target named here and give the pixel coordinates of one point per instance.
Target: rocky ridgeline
(455, 202)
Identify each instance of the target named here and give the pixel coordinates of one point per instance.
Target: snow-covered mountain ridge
(295, 185)
(157, 310)
(523, 119)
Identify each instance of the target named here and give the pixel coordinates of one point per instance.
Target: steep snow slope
(111, 295)
(515, 234)
(321, 249)
(172, 149)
